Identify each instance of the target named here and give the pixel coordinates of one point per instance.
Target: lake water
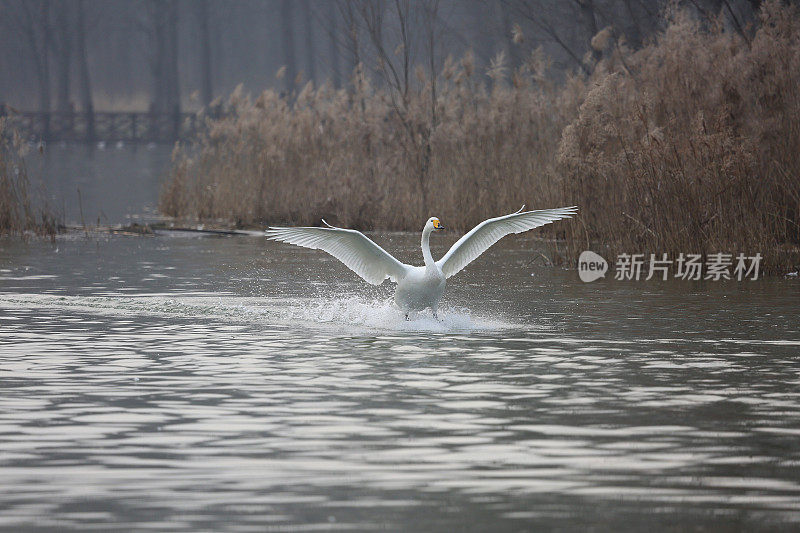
(106, 184)
(180, 383)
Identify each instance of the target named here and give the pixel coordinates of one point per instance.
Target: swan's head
(434, 224)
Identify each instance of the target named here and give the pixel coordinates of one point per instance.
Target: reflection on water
(180, 384)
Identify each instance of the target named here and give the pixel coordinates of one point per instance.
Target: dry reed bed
(22, 212)
(691, 144)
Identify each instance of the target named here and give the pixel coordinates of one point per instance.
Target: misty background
(169, 55)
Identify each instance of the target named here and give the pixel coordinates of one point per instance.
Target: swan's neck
(426, 248)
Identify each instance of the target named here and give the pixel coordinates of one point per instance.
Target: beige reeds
(691, 145)
(20, 212)
(356, 158)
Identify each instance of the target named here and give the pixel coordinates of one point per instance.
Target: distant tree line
(167, 55)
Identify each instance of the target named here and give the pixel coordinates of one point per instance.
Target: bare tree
(508, 36)
(431, 13)
(163, 29)
(83, 70)
(287, 40)
(549, 20)
(483, 30)
(62, 49)
(39, 63)
(394, 60)
(31, 21)
(395, 73)
(308, 26)
(172, 90)
(350, 18)
(334, 44)
(587, 11)
(635, 32)
(201, 12)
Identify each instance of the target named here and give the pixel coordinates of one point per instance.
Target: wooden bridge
(129, 127)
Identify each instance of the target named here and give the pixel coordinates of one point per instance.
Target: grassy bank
(691, 144)
(22, 211)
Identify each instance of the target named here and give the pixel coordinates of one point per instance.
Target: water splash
(359, 312)
(347, 314)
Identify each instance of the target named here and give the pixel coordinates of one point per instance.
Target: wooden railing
(75, 126)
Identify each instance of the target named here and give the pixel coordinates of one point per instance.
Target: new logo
(591, 266)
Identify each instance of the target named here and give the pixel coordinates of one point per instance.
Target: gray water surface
(234, 384)
(103, 183)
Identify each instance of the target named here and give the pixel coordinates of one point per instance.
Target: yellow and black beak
(437, 225)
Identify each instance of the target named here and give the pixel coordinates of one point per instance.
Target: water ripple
(217, 409)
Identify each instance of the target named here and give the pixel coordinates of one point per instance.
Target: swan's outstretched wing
(349, 246)
(488, 232)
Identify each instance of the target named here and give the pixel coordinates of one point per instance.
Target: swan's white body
(418, 287)
(421, 288)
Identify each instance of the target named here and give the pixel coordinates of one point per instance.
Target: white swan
(421, 287)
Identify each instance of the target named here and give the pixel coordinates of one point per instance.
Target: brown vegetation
(691, 144)
(20, 214)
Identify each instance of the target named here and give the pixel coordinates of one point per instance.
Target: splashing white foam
(344, 314)
(357, 312)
